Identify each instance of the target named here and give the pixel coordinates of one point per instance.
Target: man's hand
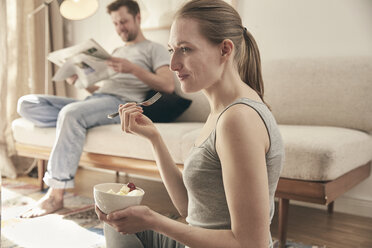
(71, 80)
(120, 65)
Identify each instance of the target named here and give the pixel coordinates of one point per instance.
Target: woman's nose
(175, 64)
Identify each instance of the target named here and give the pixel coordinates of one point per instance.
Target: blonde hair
(219, 21)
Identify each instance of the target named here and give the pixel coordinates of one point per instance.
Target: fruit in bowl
(127, 189)
(110, 197)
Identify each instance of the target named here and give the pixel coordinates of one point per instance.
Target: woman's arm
(133, 121)
(171, 175)
(242, 142)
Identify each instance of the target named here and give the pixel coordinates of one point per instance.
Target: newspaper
(87, 60)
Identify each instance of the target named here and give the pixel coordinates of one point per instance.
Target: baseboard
(345, 205)
(354, 206)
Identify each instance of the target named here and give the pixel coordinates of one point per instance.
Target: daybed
(323, 106)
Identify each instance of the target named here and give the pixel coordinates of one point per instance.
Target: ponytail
(249, 64)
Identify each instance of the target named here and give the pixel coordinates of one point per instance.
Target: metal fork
(148, 102)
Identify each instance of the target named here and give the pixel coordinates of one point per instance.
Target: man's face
(126, 25)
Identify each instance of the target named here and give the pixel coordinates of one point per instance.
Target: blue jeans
(71, 118)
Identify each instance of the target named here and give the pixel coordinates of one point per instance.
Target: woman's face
(196, 61)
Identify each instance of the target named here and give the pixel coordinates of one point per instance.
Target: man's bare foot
(50, 203)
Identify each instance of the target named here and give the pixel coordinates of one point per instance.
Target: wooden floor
(306, 225)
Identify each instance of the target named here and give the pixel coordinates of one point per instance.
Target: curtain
(15, 30)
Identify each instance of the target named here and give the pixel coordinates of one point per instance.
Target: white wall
(283, 29)
(315, 28)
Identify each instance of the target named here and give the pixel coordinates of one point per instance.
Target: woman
(227, 188)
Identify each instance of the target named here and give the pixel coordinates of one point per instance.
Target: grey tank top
(202, 175)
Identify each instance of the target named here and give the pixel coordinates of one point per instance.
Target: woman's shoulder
(242, 124)
(242, 109)
(239, 117)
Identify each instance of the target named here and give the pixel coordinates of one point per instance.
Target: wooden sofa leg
(41, 167)
(330, 207)
(283, 221)
(124, 174)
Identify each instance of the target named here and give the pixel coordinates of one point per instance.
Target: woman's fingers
(101, 216)
(129, 118)
(117, 215)
(126, 113)
(122, 109)
(132, 120)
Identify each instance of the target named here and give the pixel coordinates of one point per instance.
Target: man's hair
(131, 5)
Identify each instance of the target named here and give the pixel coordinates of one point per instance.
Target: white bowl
(108, 202)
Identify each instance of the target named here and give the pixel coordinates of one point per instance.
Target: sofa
(324, 110)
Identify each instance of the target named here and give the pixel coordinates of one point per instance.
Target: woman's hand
(133, 121)
(120, 65)
(130, 220)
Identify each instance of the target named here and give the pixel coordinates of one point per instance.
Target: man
(141, 65)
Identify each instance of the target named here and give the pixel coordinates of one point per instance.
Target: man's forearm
(91, 89)
(162, 80)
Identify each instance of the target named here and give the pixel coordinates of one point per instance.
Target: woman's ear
(227, 47)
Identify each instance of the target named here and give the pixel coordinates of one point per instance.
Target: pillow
(167, 108)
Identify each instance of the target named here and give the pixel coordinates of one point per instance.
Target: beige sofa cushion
(312, 152)
(26, 132)
(321, 91)
(323, 153)
(110, 140)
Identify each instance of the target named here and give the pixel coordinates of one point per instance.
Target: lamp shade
(78, 9)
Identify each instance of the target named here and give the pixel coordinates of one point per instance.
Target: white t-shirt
(147, 54)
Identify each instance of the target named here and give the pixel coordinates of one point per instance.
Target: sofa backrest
(321, 91)
(310, 91)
